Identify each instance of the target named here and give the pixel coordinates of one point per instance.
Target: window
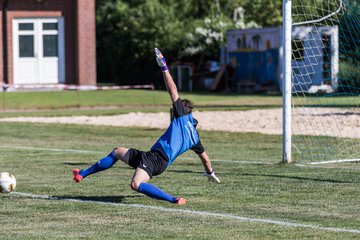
(26, 26)
(26, 46)
(297, 46)
(50, 26)
(50, 45)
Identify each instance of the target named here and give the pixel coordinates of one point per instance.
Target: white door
(38, 51)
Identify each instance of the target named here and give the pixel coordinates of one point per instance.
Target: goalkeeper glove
(161, 60)
(212, 176)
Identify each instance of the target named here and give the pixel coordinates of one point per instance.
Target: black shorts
(151, 162)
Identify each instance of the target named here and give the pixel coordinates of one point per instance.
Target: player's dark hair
(189, 105)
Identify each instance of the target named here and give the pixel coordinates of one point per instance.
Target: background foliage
(349, 75)
(194, 30)
(186, 30)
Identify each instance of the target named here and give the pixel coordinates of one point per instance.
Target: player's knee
(134, 185)
(121, 153)
(117, 152)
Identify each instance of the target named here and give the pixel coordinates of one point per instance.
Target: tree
(128, 30)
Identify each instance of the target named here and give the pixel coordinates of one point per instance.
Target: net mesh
(325, 80)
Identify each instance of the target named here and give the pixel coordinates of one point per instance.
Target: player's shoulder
(179, 108)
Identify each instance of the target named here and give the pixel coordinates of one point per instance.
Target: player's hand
(161, 60)
(212, 177)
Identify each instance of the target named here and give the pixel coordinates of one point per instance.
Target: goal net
(325, 88)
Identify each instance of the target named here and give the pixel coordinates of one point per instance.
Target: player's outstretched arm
(169, 82)
(209, 171)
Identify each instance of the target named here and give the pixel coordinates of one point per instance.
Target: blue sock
(154, 192)
(101, 165)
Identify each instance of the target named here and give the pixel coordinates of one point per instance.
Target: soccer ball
(7, 182)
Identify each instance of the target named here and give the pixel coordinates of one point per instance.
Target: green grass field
(92, 103)
(88, 102)
(257, 199)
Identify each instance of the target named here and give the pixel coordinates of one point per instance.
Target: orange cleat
(180, 201)
(77, 177)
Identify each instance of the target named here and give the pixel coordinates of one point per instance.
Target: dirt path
(310, 121)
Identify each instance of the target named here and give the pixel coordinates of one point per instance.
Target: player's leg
(103, 164)
(140, 184)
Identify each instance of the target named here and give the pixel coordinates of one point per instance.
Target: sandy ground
(309, 121)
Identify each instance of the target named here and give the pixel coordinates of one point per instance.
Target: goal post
(321, 81)
(286, 74)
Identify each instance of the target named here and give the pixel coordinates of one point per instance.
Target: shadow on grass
(75, 163)
(295, 177)
(104, 199)
(185, 171)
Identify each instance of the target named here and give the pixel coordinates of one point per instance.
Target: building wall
(46, 8)
(86, 42)
(79, 21)
(245, 48)
(1, 47)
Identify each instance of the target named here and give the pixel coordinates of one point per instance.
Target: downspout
(5, 43)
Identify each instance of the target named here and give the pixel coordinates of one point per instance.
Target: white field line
(193, 212)
(319, 166)
(48, 149)
(335, 161)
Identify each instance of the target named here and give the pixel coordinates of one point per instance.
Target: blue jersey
(178, 138)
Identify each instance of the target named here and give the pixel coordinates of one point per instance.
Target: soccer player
(180, 136)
